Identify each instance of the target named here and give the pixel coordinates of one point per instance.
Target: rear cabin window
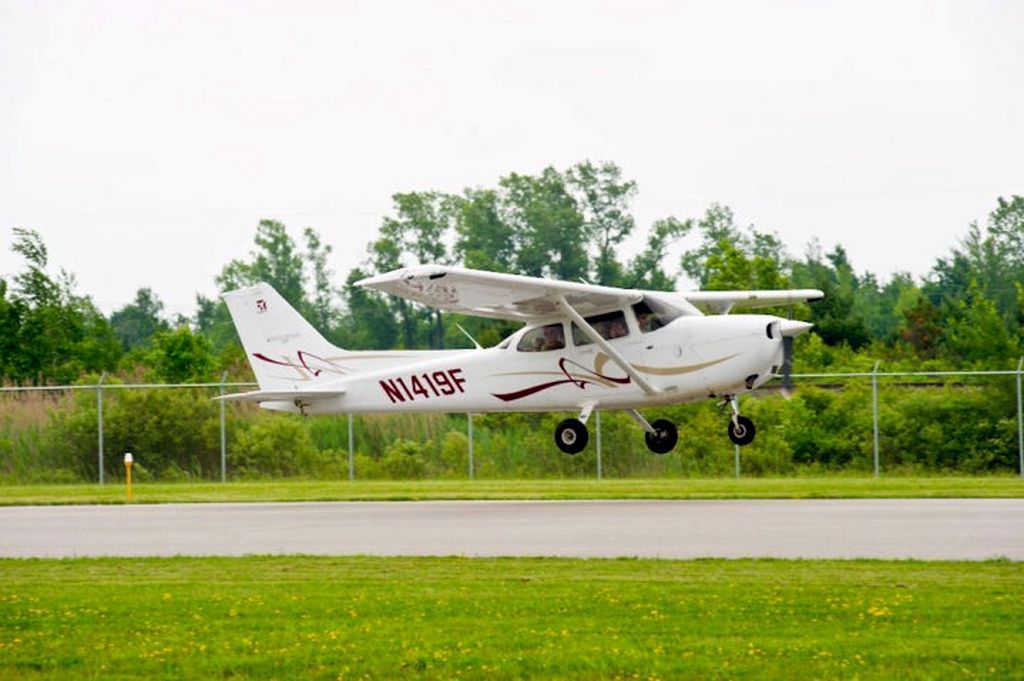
(542, 339)
(609, 326)
(652, 314)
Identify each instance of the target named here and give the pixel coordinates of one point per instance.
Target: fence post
(874, 412)
(735, 450)
(99, 421)
(1020, 420)
(597, 424)
(351, 450)
(470, 429)
(223, 433)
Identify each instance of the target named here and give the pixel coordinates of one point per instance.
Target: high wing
(720, 302)
(512, 296)
(496, 295)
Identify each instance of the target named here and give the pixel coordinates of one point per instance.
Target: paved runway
(970, 529)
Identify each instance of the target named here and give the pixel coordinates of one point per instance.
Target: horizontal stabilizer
(282, 396)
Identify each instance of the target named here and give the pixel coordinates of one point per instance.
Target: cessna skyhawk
(582, 347)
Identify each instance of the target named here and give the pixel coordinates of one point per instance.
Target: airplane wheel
(742, 434)
(571, 436)
(666, 439)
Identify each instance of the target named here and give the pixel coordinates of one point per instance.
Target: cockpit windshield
(653, 314)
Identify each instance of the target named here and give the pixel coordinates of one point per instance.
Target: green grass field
(710, 488)
(291, 617)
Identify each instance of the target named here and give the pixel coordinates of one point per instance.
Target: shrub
(402, 461)
(455, 453)
(274, 446)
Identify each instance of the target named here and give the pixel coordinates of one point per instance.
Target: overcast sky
(145, 140)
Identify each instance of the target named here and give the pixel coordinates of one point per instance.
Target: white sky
(145, 140)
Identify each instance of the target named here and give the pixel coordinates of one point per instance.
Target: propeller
(787, 366)
(790, 329)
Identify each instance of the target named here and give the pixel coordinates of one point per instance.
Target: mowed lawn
(364, 490)
(291, 617)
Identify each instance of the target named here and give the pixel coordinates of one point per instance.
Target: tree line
(968, 311)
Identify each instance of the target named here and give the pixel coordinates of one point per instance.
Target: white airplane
(583, 347)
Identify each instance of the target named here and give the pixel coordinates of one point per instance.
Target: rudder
(283, 349)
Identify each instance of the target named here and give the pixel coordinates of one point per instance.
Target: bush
(274, 446)
(367, 468)
(402, 461)
(173, 431)
(455, 454)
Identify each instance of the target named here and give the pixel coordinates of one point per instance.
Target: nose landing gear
(741, 429)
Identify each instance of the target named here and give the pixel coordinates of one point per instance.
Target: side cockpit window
(653, 314)
(609, 326)
(542, 339)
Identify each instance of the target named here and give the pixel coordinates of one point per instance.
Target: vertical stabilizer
(284, 350)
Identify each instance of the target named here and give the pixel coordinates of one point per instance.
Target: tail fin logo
(261, 306)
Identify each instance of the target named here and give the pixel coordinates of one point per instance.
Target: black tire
(744, 434)
(571, 436)
(666, 439)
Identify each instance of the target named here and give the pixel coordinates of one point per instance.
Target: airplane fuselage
(691, 358)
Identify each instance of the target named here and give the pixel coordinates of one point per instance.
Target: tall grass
(25, 436)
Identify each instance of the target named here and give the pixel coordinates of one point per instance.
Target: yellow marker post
(128, 474)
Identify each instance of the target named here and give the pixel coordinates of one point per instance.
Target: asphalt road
(970, 529)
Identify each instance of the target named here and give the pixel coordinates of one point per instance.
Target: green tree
(484, 241)
(834, 317)
(181, 356)
(646, 270)
(990, 258)
(881, 307)
(921, 328)
(137, 322)
(11, 312)
(56, 333)
(368, 322)
(976, 333)
(716, 227)
(549, 230)
(323, 303)
(418, 233)
(275, 260)
(603, 198)
(278, 261)
(729, 267)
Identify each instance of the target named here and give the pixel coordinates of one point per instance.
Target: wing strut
(593, 335)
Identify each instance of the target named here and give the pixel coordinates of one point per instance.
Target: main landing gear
(741, 429)
(572, 436)
(661, 435)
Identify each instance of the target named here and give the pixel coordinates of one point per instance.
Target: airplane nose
(792, 328)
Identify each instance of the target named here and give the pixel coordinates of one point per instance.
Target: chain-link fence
(867, 422)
